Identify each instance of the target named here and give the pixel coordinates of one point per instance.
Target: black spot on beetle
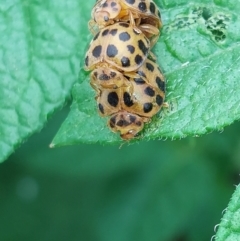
(130, 1)
(149, 91)
(159, 14)
(125, 62)
(97, 51)
(138, 123)
(104, 77)
(143, 47)
(141, 73)
(150, 67)
(132, 118)
(111, 51)
(113, 99)
(152, 7)
(113, 31)
(112, 74)
(105, 32)
(122, 123)
(139, 81)
(126, 25)
(113, 4)
(147, 107)
(127, 99)
(160, 83)
(142, 6)
(124, 36)
(105, 5)
(131, 48)
(113, 120)
(159, 100)
(111, 124)
(101, 109)
(138, 59)
(95, 73)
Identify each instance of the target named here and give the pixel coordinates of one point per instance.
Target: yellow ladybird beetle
(145, 15)
(129, 99)
(118, 45)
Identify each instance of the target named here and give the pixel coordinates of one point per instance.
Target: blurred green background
(152, 191)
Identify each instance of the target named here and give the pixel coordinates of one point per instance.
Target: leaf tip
(52, 145)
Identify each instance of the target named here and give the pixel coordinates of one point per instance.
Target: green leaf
(229, 228)
(40, 50)
(198, 52)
